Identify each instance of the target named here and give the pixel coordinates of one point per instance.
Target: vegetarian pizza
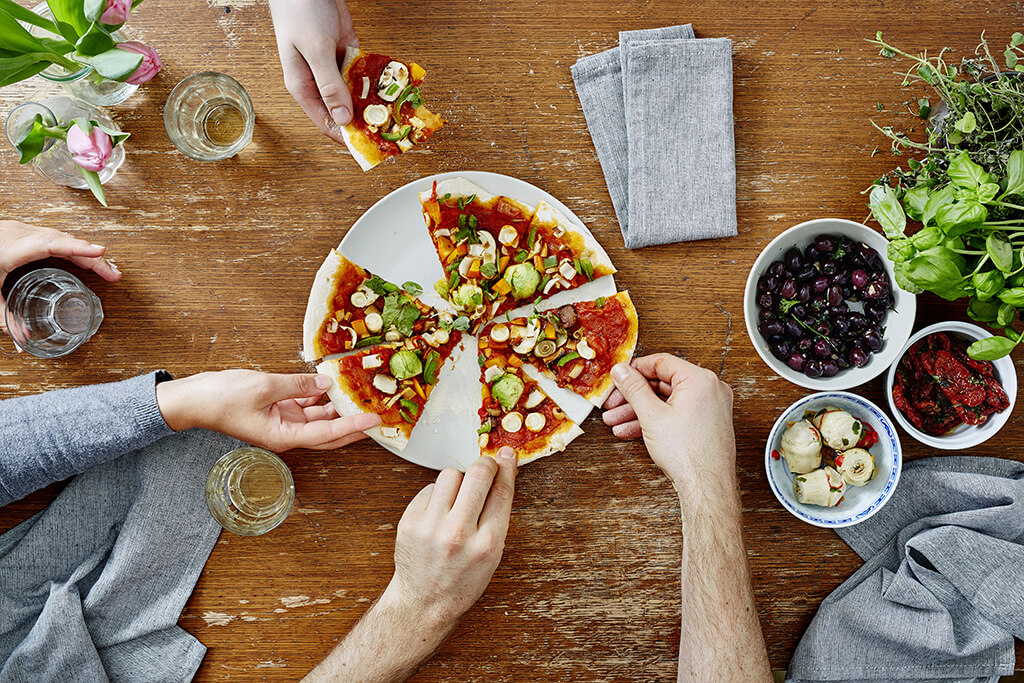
(388, 115)
(498, 252)
(350, 308)
(576, 344)
(393, 380)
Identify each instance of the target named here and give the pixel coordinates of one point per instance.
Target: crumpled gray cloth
(941, 594)
(659, 110)
(91, 588)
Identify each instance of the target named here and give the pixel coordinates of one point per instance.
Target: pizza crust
(623, 354)
(319, 304)
(588, 246)
(360, 146)
(557, 442)
(347, 406)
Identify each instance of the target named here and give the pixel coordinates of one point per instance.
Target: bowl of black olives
(822, 306)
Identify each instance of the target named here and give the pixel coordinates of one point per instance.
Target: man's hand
(277, 412)
(684, 414)
(21, 243)
(311, 39)
(449, 543)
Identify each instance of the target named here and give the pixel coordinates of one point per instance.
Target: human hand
(450, 541)
(311, 40)
(21, 243)
(277, 412)
(684, 414)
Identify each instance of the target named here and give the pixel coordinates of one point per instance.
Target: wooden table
(218, 259)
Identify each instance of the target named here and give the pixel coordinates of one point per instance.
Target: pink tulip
(116, 12)
(89, 151)
(150, 65)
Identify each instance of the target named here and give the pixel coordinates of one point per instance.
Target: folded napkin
(659, 109)
(941, 594)
(91, 588)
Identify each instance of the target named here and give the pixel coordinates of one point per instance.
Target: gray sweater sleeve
(52, 436)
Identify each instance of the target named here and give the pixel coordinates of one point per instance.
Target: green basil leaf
(987, 284)
(965, 173)
(1006, 315)
(933, 271)
(1000, 251)
(983, 311)
(956, 219)
(412, 288)
(1015, 173)
(967, 123)
(927, 238)
(914, 201)
(1013, 296)
(987, 192)
(900, 271)
(937, 200)
(901, 250)
(887, 210)
(991, 348)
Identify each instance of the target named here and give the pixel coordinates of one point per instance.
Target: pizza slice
(576, 344)
(393, 380)
(351, 308)
(499, 253)
(388, 116)
(516, 412)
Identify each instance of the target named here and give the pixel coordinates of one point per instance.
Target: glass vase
(84, 84)
(55, 162)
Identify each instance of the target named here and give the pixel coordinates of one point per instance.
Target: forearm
(721, 637)
(52, 436)
(388, 644)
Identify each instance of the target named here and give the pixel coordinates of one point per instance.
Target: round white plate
(391, 241)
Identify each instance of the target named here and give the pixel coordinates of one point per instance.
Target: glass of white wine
(250, 491)
(209, 116)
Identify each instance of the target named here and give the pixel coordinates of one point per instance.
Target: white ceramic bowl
(898, 324)
(963, 436)
(859, 502)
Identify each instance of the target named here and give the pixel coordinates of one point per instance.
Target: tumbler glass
(50, 313)
(250, 491)
(209, 116)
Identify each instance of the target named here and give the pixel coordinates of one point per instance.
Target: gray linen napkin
(659, 109)
(91, 588)
(941, 594)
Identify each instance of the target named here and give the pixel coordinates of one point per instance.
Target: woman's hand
(311, 39)
(21, 243)
(277, 412)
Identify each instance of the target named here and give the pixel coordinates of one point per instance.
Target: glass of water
(50, 313)
(209, 116)
(250, 491)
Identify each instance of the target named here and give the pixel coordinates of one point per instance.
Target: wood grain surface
(218, 259)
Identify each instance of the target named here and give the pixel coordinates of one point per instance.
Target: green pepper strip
(396, 113)
(406, 416)
(568, 358)
(400, 135)
(368, 341)
(409, 405)
(484, 429)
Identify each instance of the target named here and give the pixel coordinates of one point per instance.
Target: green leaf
(965, 173)
(412, 288)
(967, 123)
(1006, 315)
(115, 64)
(901, 250)
(956, 219)
(93, 179)
(904, 283)
(16, 38)
(8, 78)
(914, 201)
(461, 323)
(1013, 296)
(886, 208)
(1014, 173)
(991, 348)
(96, 40)
(116, 136)
(987, 284)
(399, 312)
(1017, 38)
(33, 141)
(1011, 58)
(937, 200)
(94, 9)
(1000, 251)
(26, 15)
(927, 238)
(69, 14)
(983, 311)
(933, 271)
(924, 108)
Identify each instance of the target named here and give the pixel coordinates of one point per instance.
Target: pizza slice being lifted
(393, 380)
(351, 308)
(576, 344)
(499, 253)
(388, 115)
(516, 412)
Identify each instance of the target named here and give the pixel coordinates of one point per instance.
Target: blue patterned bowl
(858, 503)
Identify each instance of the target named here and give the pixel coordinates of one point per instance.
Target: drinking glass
(50, 313)
(250, 491)
(209, 116)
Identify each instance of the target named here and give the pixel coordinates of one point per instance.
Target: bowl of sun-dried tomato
(944, 398)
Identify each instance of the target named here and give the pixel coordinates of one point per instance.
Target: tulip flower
(116, 12)
(89, 150)
(150, 65)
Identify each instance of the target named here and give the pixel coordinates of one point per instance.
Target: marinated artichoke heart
(839, 430)
(801, 447)
(856, 465)
(824, 487)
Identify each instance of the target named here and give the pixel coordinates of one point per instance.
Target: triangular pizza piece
(576, 344)
(393, 380)
(516, 412)
(499, 253)
(388, 115)
(351, 308)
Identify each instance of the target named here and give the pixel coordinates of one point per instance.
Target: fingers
(302, 86)
(418, 505)
(102, 267)
(46, 243)
(628, 430)
(323, 434)
(446, 489)
(619, 415)
(476, 484)
(634, 388)
(324, 412)
(665, 368)
(282, 387)
(499, 501)
(330, 85)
